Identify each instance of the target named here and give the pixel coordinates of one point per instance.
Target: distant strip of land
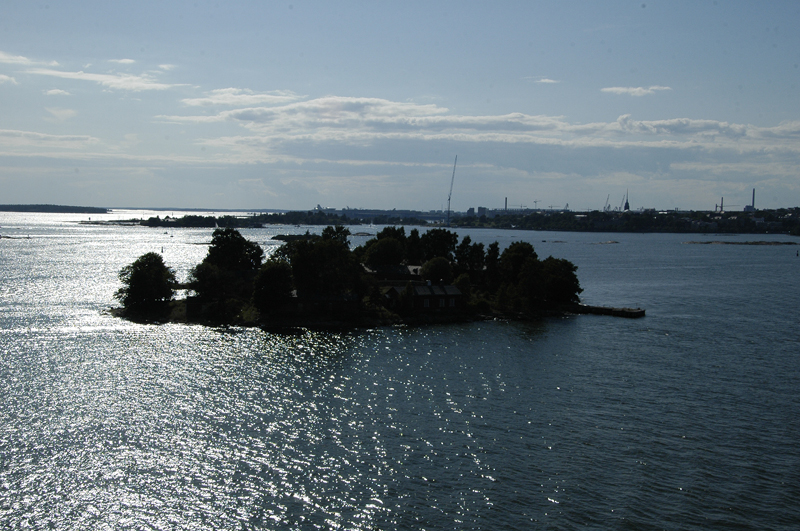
(744, 243)
(779, 221)
(774, 221)
(58, 209)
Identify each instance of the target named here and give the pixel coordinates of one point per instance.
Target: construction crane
(452, 180)
(605, 207)
(721, 207)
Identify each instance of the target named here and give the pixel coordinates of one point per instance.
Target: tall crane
(452, 180)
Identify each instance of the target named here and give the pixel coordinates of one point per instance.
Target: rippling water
(688, 418)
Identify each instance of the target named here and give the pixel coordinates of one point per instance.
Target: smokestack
(754, 199)
(506, 203)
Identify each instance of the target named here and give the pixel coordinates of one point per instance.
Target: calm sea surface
(686, 419)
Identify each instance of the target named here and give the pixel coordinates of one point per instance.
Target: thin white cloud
(60, 115)
(20, 60)
(56, 92)
(242, 97)
(635, 91)
(7, 79)
(342, 121)
(115, 81)
(547, 80)
(167, 67)
(122, 61)
(16, 138)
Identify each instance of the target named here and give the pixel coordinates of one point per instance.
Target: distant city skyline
(363, 105)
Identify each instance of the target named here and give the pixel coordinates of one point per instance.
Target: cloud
(60, 115)
(10, 138)
(547, 80)
(167, 67)
(20, 60)
(242, 97)
(684, 126)
(635, 91)
(7, 79)
(56, 92)
(114, 81)
(359, 132)
(122, 61)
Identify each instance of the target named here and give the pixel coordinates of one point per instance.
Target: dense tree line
(762, 221)
(307, 276)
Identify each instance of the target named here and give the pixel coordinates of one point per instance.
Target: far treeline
(785, 221)
(393, 278)
(57, 209)
(317, 217)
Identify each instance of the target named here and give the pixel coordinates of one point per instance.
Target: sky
(290, 105)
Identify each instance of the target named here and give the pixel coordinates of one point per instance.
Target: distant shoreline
(762, 222)
(781, 221)
(53, 209)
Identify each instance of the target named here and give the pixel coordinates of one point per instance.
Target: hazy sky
(287, 105)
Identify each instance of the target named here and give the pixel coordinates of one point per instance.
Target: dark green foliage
(464, 285)
(338, 234)
(528, 284)
(438, 242)
(147, 284)
(272, 288)
(492, 272)
(388, 247)
(514, 259)
(384, 252)
(470, 257)
(321, 268)
(228, 269)
(414, 248)
(560, 281)
(398, 233)
(462, 253)
(230, 250)
(437, 270)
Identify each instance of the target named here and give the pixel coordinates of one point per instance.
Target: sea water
(686, 419)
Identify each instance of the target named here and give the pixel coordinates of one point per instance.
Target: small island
(318, 281)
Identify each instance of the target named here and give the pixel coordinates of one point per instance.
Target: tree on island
(530, 284)
(225, 276)
(272, 288)
(148, 285)
(384, 252)
(560, 281)
(324, 267)
(437, 270)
